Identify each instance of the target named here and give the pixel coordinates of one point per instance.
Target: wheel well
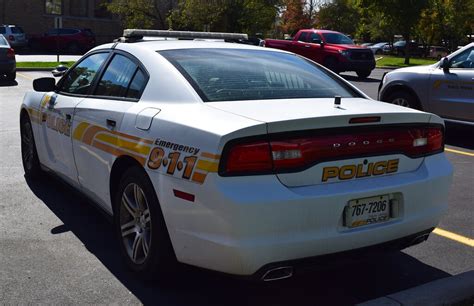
(24, 114)
(404, 88)
(120, 165)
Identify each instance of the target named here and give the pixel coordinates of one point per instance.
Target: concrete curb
(33, 69)
(446, 291)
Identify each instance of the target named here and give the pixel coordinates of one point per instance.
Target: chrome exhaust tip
(277, 274)
(420, 239)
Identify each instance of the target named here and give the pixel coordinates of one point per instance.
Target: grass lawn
(42, 64)
(393, 61)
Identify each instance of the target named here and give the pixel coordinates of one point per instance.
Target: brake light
(11, 53)
(11, 38)
(292, 154)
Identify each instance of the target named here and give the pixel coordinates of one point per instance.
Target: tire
(29, 155)
(363, 73)
(11, 76)
(73, 48)
(378, 52)
(140, 227)
(403, 98)
(331, 64)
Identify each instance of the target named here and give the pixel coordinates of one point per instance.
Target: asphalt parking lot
(55, 247)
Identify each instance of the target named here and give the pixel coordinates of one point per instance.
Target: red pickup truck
(332, 49)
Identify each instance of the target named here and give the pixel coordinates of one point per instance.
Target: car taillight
(292, 154)
(11, 38)
(11, 53)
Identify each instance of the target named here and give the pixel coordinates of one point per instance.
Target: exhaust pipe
(420, 239)
(277, 274)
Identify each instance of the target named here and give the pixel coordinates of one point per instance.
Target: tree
(339, 15)
(293, 17)
(141, 13)
(402, 15)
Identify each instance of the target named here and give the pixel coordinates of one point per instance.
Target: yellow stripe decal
(124, 144)
(459, 152)
(199, 177)
(80, 129)
(455, 237)
(207, 165)
(210, 155)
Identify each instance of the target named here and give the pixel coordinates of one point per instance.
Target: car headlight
(344, 53)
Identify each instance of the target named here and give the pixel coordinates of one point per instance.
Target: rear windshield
(237, 74)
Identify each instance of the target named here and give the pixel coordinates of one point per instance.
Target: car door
(97, 138)
(452, 92)
(57, 112)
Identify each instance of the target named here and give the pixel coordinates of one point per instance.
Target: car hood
(417, 69)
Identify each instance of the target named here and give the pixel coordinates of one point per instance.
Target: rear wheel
(140, 227)
(403, 98)
(29, 155)
(363, 73)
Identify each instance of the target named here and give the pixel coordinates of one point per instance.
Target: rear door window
(3, 30)
(17, 30)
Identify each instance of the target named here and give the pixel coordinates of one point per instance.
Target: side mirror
(317, 41)
(44, 84)
(445, 64)
(59, 71)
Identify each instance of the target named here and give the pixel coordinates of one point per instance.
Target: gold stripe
(199, 177)
(117, 152)
(459, 152)
(80, 129)
(115, 140)
(210, 155)
(207, 165)
(455, 237)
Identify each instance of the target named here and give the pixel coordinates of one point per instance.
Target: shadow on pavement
(352, 78)
(460, 135)
(343, 285)
(5, 83)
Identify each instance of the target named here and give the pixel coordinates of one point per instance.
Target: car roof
(162, 45)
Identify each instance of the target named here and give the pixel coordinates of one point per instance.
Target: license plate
(367, 211)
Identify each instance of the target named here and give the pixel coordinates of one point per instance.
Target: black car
(7, 60)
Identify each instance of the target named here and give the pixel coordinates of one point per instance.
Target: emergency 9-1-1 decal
(182, 160)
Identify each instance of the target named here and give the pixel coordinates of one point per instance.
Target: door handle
(307, 46)
(111, 123)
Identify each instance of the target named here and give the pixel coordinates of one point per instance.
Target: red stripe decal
(183, 195)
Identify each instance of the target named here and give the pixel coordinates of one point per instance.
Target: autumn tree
(294, 17)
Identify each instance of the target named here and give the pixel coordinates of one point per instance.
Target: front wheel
(403, 98)
(29, 155)
(363, 73)
(140, 227)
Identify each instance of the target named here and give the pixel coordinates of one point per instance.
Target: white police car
(233, 157)
(445, 88)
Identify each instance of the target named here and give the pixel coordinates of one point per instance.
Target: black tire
(363, 73)
(73, 48)
(331, 64)
(152, 255)
(403, 98)
(11, 76)
(29, 155)
(378, 52)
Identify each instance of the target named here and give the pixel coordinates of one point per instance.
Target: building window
(100, 9)
(54, 7)
(78, 8)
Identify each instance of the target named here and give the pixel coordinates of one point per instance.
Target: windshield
(400, 43)
(239, 74)
(337, 38)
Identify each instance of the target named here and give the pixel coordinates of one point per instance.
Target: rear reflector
(295, 153)
(183, 195)
(11, 53)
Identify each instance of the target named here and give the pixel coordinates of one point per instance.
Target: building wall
(31, 15)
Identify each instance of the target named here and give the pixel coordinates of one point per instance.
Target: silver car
(445, 88)
(15, 35)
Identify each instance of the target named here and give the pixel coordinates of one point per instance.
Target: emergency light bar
(137, 34)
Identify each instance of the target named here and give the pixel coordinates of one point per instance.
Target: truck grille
(361, 55)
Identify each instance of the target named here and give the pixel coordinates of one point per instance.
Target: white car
(235, 158)
(445, 88)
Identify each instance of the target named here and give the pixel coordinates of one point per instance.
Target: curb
(457, 289)
(388, 67)
(33, 69)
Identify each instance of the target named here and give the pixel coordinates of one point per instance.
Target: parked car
(437, 52)
(7, 60)
(334, 50)
(66, 39)
(378, 47)
(235, 158)
(15, 35)
(445, 88)
(399, 48)
(366, 44)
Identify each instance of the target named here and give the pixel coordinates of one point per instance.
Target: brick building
(37, 16)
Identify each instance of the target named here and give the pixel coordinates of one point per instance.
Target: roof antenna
(337, 101)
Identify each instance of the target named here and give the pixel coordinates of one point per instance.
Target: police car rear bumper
(246, 224)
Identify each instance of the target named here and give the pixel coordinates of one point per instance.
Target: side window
(463, 60)
(137, 85)
(314, 36)
(3, 30)
(79, 79)
(122, 78)
(303, 36)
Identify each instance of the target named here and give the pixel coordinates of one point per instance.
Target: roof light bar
(140, 33)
